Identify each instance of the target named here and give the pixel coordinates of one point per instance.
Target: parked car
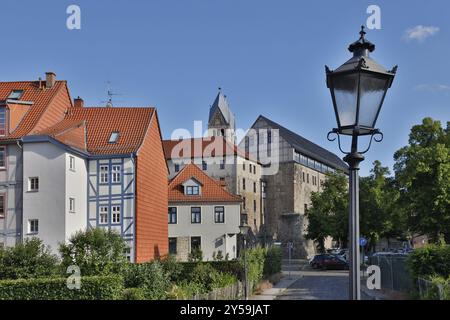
(328, 261)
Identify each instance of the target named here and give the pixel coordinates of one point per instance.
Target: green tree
(422, 171)
(328, 213)
(95, 252)
(380, 215)
(30, 259)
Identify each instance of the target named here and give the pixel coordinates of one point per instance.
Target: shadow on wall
(156, 254)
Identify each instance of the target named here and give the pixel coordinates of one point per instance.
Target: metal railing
(433, 291)
(231, 292)
(394, 273)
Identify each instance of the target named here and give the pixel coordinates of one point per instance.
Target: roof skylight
(114, 137)
(15, 94)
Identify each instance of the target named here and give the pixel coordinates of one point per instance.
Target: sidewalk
(288, 279)
(272, 293)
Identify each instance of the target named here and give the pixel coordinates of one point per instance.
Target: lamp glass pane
(372, 90)
(345, 93)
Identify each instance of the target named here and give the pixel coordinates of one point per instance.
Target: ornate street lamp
(358, 89)
(244, 229)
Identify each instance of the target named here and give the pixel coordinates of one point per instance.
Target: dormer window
(114, 137)
(192, 187)
(192, 190)
(15, 95)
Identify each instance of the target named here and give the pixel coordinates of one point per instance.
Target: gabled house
(25, 107)
(202, 215)
(98, 167)
(224, 161)
(65, 167)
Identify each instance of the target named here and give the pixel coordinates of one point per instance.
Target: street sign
(362, 241)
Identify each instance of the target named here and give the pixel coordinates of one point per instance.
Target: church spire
(221, 120)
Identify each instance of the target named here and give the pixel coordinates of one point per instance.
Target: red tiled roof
(200, 148)
(130, 122)
(41, 98)
(211, 190)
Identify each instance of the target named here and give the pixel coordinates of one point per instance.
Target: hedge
(92, 288)
(430, 261)
(272, 263)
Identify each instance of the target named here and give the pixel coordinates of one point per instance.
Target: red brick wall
(151, 197)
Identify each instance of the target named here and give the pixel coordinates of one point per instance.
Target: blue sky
(268, 56)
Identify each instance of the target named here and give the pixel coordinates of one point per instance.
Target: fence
(433, 291)
(394, 273)
(231, 292)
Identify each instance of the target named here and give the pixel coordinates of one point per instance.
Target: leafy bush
(255, 263)
(272, 263)
(437, 289)
(92, 288)
(30, 259)
(134, 294)
(185, 290)
(95, 252)
(150, 277)
(205, 278)
(432, 260)
(172, 268)
(196, 255)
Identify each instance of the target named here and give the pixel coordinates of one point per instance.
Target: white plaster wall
(76, 187)
(209, 231)
(48, 205)
(11, 187)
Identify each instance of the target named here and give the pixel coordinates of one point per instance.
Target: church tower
(221, 120)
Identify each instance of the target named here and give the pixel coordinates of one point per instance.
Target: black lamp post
(358, 89)
(244, 229)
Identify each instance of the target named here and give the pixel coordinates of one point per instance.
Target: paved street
(315, 285)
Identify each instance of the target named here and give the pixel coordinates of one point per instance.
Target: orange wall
(54, 112)
(16, 113)
(75, 137)
(151, 197)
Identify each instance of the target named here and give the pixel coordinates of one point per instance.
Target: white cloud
(433, 87)
(420, 33)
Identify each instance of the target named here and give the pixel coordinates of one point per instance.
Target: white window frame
(194, 221)
(115, 214)
(169, 213)
(31, 184)
(217, 221)
(3, 122)
(103, 174)
(72, 204)
(3, 197)
(33, 226)
(72, 163)
(116, 173)
(103, 212)
(190, 190)
(3, 157)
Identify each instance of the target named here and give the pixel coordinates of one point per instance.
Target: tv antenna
(110, 93)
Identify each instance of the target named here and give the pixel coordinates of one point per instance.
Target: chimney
(78, 102)
(50, 78)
